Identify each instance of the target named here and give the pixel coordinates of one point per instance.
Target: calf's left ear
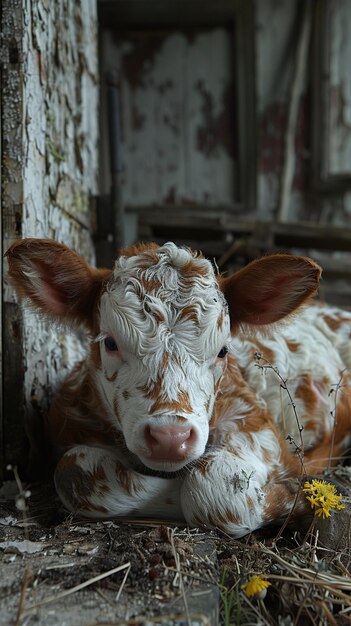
(55, 280)
(269, 289)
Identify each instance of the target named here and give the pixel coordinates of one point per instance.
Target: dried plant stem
(26, 579)
(338, 387)
(23, 494)
(68, 592)
(160, 619)
(181, 582)
(284, 386)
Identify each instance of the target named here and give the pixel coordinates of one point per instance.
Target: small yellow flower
(256, 586)
(323, 497)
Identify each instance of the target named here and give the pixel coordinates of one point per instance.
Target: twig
(181, 582)
(157, 620)
(333, 582)
(338, 386)
(87, 583)
(25, 583)
(283, 384)
(21, 501)
(328, 614)
(288, 517)
(255, 610)
(123, 583)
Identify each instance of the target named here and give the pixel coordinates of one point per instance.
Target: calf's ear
(56, 280)
(269, 289)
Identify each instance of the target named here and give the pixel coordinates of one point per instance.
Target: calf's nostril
(150, 439)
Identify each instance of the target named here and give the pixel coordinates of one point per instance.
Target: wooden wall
(49, 99)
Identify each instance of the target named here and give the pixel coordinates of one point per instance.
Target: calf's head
(160, 323)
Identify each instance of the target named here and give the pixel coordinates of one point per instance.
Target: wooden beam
(118, 14)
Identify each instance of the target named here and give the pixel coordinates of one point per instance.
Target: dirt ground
(59, 571)
(130, 570)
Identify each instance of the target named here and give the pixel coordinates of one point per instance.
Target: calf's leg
(230, 493)
(92, 482)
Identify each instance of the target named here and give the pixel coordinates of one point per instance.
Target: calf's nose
(171, 443)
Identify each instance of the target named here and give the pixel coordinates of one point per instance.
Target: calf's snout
(170, 443)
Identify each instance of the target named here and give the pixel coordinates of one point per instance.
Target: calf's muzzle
(169, 443)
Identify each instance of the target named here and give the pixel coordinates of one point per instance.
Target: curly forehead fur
(168, 292)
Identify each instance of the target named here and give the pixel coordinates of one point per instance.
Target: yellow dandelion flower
(322, 497)
(256, 586)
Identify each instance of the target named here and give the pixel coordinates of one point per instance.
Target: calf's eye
(222, 353)
(110, 344)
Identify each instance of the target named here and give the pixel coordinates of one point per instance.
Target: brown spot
(165, 360)
(75, 416)
(279, 501)
(267, 353)
(139, 248)
(190, 313)
(152, 390)
(99, 474)
(336, 321)
(68, 462)
(181, 405)
(229, 448)
(181, 420)
(313, 425)
(112, 378)
(192, 269)
(293, 346)
(230, 517)
(307, 394)
(220, 321)
(75, 485)
(150, 284)
(203, 465)
(208, 403)
(222, 519)
(267, 456)
(129, 481)
(126, 394)
(333, 445)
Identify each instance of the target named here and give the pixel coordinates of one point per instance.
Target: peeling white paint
(339, 131)
(60, 166)
(50, 129)
(170, 103)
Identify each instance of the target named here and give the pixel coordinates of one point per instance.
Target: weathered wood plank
(177, 116)
(50, 130)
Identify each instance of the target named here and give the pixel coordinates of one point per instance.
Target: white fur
(233, 485)
(149, 496)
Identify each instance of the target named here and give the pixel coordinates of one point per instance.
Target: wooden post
(296, 90)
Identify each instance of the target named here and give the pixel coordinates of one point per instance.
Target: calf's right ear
(56, 280)
(270, 289)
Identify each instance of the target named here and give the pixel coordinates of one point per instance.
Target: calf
(183, 409)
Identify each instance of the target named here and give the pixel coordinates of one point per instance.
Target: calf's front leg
(240, 491)
(92, 482)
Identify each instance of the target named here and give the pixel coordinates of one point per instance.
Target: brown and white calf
(171, 414)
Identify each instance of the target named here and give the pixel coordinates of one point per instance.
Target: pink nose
(170, 443)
